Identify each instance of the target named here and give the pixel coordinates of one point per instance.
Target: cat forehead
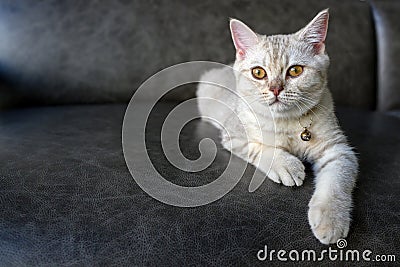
(278, 40)
(279, 49)
(281, 45)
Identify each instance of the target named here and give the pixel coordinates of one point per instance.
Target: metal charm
(305, 135)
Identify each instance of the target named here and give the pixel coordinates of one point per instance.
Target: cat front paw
(287, 169)
(329, 222)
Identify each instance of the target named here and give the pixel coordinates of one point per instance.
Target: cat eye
(258, 73)
(295, 71)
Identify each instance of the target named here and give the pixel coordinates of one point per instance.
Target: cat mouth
(275, 102)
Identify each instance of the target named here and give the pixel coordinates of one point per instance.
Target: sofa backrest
(386, 13)
(59, 52)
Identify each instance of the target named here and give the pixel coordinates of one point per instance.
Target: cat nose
(276, 90)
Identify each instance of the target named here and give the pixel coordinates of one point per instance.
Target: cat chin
(280, 110)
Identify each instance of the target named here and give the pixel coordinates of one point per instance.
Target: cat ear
(243, 37)
(315, 32)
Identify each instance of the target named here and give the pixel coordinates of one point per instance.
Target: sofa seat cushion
(68, 198)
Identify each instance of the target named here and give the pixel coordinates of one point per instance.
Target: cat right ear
(315, 32)
(243, 37)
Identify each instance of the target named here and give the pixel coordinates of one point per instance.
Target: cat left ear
(315, 32)
(243, 37)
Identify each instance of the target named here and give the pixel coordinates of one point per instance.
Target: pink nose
(276, 90)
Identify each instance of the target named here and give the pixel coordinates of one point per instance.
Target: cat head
(288, 73)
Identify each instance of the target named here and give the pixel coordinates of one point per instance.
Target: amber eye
(258, 73)
(295, 71)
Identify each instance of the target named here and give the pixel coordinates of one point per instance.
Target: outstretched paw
(328, 223)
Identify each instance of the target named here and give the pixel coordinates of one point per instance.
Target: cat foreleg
(331, 203)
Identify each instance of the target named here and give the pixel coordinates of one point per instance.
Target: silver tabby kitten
(283, 80)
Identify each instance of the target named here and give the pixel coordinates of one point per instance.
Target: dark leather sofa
(68, 70)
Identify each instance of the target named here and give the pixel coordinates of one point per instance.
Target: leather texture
(386, 14)
(58, 52)
(67, 197)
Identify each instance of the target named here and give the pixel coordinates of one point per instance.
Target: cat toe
(282, 176)
(287, 178)
(298, 175)
(298, 179)
(274, 176)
